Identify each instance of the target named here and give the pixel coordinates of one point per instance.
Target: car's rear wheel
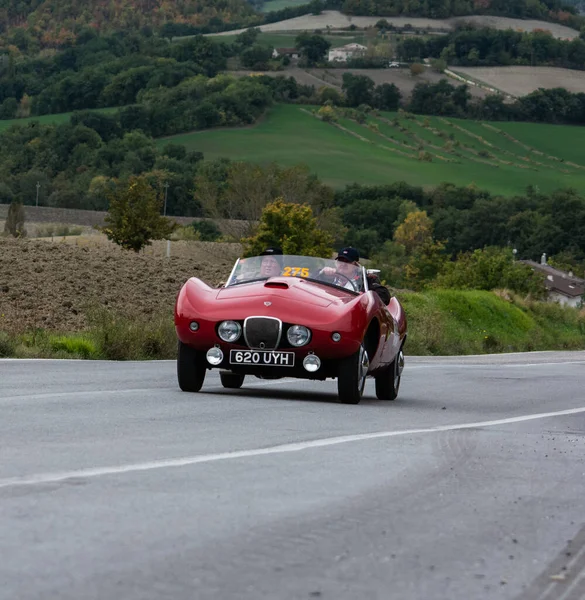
(351, 377)
(191, 368)
(388, 381)
(231, 380)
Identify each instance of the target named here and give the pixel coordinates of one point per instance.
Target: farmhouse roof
(287, 50)
(559, 281)
(353, 46)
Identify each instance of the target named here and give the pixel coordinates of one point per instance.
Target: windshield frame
(329, 262)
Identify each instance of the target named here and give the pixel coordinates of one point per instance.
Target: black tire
(388, 381)
(351, 377)
(191, 368)
(231, 380)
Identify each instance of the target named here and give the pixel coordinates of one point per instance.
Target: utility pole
(166, 186)
(38, 186)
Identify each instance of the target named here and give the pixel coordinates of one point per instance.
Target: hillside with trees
(547, 10)
(58, 23)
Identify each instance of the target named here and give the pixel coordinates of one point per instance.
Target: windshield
(323, 270)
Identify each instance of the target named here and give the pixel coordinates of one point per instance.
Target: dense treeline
(473, 46)
(73, 161)
(37, 24)
(104, 71)
(468, 218)
(77, 163)
(555, 105)
(549, 10)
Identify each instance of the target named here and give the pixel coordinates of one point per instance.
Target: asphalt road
(116, 485)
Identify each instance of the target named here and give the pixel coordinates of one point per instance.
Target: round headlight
(298, 335)
(229, 331)
(214, 356)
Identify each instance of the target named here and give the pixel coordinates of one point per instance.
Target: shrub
(416, 69)
(6, 345)
(208, 230)
(15, 220)
(77, 346)
(120, 337)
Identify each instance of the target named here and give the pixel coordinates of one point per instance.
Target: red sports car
(301, 317)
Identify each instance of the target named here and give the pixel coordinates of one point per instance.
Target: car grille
(262, 332)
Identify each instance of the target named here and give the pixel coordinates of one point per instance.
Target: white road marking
(291, 447)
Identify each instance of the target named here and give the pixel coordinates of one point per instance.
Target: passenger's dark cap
(271, 251)
(349, 254)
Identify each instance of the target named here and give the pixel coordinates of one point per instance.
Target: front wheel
(388, 381)
(351, 377)
(191, 368)
(231, 380)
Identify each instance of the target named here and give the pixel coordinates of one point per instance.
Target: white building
(344, 53)
(292, 53)
(562, 287)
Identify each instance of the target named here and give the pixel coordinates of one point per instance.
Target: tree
(15, 220)
(358, 89)
(208, 231)
(330, 95)
(313, 47)
(247, 38)
(438, 65)
(239, 191)
(6, 194)
(134, 216)
(387, 97)
(293, 228)
(416, 69)
(256, 57)
(416, 229)
(8, 108)
(488, 269)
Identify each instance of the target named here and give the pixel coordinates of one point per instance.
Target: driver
(346, 262)
(271, 265)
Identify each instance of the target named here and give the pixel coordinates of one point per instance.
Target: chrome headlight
(298, 335)
(229, 331)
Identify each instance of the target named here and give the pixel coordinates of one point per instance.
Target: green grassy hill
(502, 157)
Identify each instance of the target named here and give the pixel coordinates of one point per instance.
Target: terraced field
(502, 157)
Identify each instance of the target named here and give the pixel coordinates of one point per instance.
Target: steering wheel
(337, 274)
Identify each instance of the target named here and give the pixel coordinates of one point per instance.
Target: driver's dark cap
(272, 251)
(348, 254)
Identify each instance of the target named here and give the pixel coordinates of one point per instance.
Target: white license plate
(264, 358)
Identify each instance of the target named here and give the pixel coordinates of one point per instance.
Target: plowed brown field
(50, 285)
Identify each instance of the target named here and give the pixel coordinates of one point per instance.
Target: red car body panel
(323, 309)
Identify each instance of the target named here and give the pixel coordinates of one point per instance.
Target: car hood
(288, 288)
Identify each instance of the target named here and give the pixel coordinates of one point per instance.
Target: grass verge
(442, 322)
(446, 322)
